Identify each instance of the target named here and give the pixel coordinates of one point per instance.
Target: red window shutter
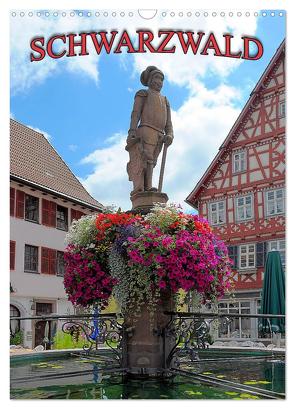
(52, 214)
(20, 204)
(73, 215)
(12, 201)
(45, 260)
(45, 212)
(76, 214)
(48, 213)
(52, 261)
(12, 255)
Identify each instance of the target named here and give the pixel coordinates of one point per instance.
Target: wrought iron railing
(190, 332)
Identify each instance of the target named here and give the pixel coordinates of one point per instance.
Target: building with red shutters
(242, 193)
(45, 197)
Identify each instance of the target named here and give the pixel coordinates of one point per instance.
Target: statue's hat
(148, 73)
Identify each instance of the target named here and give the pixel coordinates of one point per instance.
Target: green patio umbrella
(273, 294)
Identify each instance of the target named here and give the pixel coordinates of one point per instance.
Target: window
(217, 212)
(282, 109)
(275, 202)
(12, 255)
(244, 208)
(43, 308)
(239, 327)
(280, 246)
(14, 324)
(239, 162)
(61, 217)
(31, 208)
(31, 259)
(247, 256)
(60, 264)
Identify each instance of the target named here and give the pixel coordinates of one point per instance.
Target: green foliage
(210, 339)
(17, 338)
(65, 341)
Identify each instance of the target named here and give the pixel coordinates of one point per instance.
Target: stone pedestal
(142, 202)
(146, 348)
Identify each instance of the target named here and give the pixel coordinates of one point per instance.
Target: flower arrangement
(136, 258)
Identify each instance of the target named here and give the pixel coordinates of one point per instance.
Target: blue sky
(84, 105)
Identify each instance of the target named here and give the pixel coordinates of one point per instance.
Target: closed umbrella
(273, 293)
(46, 334)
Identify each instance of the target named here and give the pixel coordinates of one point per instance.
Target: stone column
(145, 347)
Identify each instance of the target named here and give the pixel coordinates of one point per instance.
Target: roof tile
(34, 159)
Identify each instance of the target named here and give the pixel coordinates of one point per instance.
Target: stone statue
(150, 129)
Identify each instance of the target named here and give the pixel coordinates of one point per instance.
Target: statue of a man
(150, 128)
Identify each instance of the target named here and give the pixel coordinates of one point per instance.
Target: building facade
(242, 193)
(45, 197)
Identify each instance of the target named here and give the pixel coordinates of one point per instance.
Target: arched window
(14, 324)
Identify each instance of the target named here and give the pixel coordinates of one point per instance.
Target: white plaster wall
(264, 158)
(253, 164)
(25, 232)
(255, 176)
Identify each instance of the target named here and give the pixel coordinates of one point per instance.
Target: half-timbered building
(45, 197)
(242, 193)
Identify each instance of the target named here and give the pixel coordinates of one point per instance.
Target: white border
(4, 123)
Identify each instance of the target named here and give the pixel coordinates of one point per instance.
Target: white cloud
(200, 126)
(24, 73)
(47, 136)
(183, 69)
(109, 180)
(179, 68)
(73, 147)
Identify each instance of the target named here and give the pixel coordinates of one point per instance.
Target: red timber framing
(259, 133)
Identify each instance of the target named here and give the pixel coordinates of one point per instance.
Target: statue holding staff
(150, 129)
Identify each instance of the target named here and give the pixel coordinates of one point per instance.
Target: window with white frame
(244, 208)
(275, 202)
(239, 161)
(282, 109)
(239, 327)
(280, 246)
(217, 212)
(247, 256)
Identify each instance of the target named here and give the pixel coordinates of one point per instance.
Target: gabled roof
(192, 197)
(34, 161)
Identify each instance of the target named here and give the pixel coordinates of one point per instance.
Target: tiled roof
(33, 159)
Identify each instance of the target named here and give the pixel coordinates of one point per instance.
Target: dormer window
(239, 161)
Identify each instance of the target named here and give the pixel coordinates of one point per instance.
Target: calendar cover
(114, 112)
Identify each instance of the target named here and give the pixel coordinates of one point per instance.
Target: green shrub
(17, 338)
(65, 341)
